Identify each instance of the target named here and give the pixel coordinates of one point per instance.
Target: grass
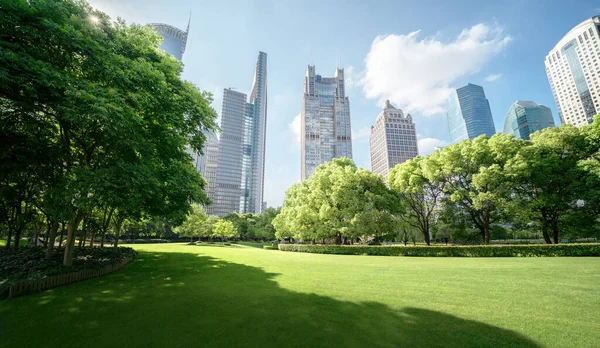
(184, 295)
(22, 242)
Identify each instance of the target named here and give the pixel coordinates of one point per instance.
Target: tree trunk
(71, 230)
(426, 237)
(51, 239)
(546, 236)
(102, 240)
(118, 231)
(9, 238)
(18, 238)
(486, 231)
(82, 240)
(92, 239)
(36, 238)
(555, 231)
(62, 234)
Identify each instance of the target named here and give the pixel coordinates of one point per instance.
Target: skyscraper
(526, 117)
(239, 183)
(393, 140)
(469, 114)
(325, 120)
(174, 39)
(573, 72)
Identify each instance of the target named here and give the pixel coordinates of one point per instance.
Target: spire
(187, 30)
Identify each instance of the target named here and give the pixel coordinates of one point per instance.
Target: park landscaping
(184, 295)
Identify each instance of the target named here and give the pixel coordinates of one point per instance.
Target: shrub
(29, 262)
(451, 251)
(374, 243)
(268, 247)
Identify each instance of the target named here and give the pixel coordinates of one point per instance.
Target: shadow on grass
(182, 300)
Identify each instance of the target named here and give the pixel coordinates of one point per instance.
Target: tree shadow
(180, 300)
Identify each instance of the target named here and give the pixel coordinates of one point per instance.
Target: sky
(410, 52)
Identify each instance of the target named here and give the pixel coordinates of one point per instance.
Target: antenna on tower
(340, 60)
(189, 20)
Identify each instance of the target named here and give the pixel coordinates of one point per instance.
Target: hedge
(451, 251)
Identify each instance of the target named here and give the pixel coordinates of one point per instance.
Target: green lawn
(180, 296)
(22, 242)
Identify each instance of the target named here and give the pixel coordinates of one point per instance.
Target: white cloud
(428, 145)
(416, 73)
(361, 133)
(493, 77)
(350, 77)
(295, 126)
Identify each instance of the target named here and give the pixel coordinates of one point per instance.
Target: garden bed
(27, 270)
(451, 251)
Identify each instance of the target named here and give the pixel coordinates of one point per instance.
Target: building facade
(574, 74)
(393, 140)
(469, 114)
(238, 185)
(526, 117)
(325, 121)
(174, 39)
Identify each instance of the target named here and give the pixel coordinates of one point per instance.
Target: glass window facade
(469, 114)
(526, 117)
(326, 130)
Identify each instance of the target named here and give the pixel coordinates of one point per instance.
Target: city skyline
(480, 43)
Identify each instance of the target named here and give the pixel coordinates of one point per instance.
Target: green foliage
(95, 117)
(451, 251)
(194, 225)
(338, 202)
(29, 262)
(224, 229)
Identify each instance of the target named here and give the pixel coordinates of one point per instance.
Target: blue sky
(412, 52)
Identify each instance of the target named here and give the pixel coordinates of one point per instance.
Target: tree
(548, 182)
(224, 229)
(193, 225)
(115, 105)
(472, 173)
(416, 182)
(337, 202)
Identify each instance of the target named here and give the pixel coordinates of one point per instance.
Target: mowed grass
(185, 295)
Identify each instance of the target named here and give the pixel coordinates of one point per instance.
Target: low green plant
(29, 262)
(268, 247)
(452, 251)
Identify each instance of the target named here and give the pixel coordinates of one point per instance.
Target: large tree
(416, 182)
(338, 202)
(120, 112)
(548, 182)
(472, 173)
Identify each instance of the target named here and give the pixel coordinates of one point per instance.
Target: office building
(325, 120)
(174, 39)
(469, 114)
(574, 74)
(239, 185)
(526, 117)
(393, 140)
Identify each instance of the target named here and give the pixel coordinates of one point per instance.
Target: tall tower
(174, 39)
(255, 131)
(239, 183)
(573, 73)
(526, 117)
(393, 140)
(469, 114)
(325, 120)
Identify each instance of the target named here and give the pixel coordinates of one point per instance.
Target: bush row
(145, 241)
(29, 263)
(451, 251)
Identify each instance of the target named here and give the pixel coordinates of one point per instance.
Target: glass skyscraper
(574, 74)
(526, 117)
(469, 114)
(325, 120)
(239, 183)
